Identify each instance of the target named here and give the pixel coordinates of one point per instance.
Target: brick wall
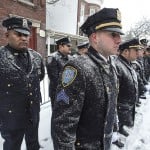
(36, 11)
(87, 9)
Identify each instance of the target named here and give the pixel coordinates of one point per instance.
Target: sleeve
(67, 108)
(141, 86)
(52, 68)
(39, 63)
(42, 70)
(116, 122)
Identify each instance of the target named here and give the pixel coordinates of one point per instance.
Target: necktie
(22, 61)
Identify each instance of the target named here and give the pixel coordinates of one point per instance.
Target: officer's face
(17, 40)
(107, 43)
(83, 51)
(141, 53)
(132, 54)
(65, 49)
(147, 53)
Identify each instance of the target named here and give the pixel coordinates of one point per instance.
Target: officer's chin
(24, 48)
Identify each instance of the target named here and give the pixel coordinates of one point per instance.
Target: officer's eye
(68, 46)
(115, 34)
(137, 50)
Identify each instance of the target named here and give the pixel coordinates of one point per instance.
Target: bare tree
(141, 28)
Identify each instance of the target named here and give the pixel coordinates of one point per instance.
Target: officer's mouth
(23, 44)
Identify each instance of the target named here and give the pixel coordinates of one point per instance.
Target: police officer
(128, 84)
(82, 49)
(141, 87)
(85, 106)
(21, 70)
(146, 63)
(140, 59)
(138, 65)
(55, 63)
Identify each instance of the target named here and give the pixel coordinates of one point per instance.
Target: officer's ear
(7, 34)
(61, 46)
(93, 36)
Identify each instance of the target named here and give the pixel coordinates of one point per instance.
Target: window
(82, 10)
(82, 13)
(92, 11)
(33, 39)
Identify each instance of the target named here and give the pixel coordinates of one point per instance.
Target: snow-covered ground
(139, 138)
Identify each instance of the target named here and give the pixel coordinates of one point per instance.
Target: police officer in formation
(128, 83)
(56, 62)
(140, 60)
(84, 110)
(138, 65)
(146, 63)
(82, 49)
(21, 70)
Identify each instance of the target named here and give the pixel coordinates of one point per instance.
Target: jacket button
(29, 85)
(31, 102)
(78, 144)
(107, 88)
(8, 85)
(30, 94)
(10, 111)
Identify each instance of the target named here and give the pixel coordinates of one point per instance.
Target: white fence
(45, 89)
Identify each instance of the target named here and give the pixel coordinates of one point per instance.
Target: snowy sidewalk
(139, 138)
(139, 135)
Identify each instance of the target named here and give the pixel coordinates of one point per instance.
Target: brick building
(85, 9)
(35, 11)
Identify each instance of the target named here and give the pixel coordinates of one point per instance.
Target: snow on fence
(45, 89)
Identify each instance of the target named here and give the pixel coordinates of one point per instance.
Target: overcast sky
(132, 10)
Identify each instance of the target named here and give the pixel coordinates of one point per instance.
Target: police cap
(108, 19)
(144, 41)
(65, 40)
(83, 45)
(21, 25)
(133, 43)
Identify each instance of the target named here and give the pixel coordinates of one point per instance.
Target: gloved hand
(115, 137)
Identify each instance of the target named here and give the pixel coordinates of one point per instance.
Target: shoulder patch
(50, 59)
(62, 96)
(68, 75)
